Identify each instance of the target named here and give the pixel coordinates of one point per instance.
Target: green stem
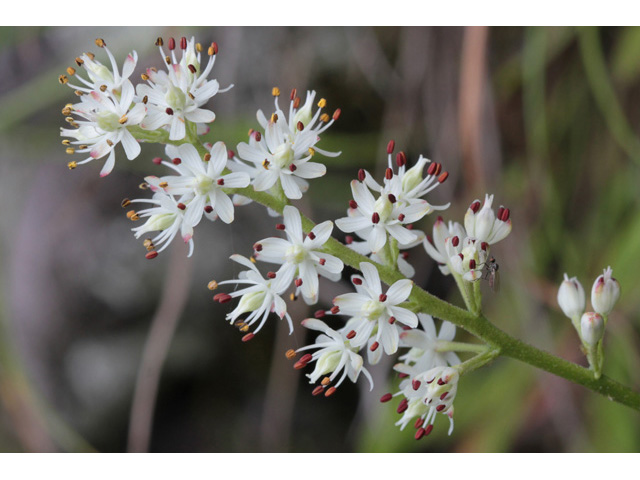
(444, 346)
(478, 361)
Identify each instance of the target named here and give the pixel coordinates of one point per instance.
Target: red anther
(280, 226)
(220, 181)
(157, 160)
(461, 256)
(418, 423)
(441, 382)
(390, 146)
(361, 174)
(317, 391)
(181, 206)
(214, 48)
(415, 384)
(432, 168)
(257, 247)
(392, 320)
(443, 177)
(475, 206)
(439, 219)
(312, 235)
(300, 126)
(248, 337)
(169, 111)
(404, 404)
(191, 68)
(150, 255)
(427, 430)
(258, 136)
(472, 264)
(392, 198)
(357, 281)
(348, 239)
(374, 346)
(208, 208)
(403, 375)
(455, 241)
(409, 226)
(375, 218)
(336, 114)
(330, 391)
(231, 154)
(401, 159)
(420, 432)
(299, 365)
(172, 43)
(183, 43)
(401, 217)
(499, 214)
(353, 204)
(351, 334)
(176, 161)
(438, 169)
(298, 282)
(505, 215)
(382, 297)
(386, 397)
(306, 358)
(296, 102)
(271, 275)
(294, 92)
(322, 261)
(335, 309)
(444, 395)
(439, 408)
(222, 297)
(319, 314)
(293, 167)
(388, 174)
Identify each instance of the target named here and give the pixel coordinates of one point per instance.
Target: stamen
(325, 381)
(144, 77)
(63, 79)
(420, 432)
(271, 275)
(374, 346)
(401, 217)
(336, 114)
(100, 43)
(296, 102)
(382, 297)
(351, 334)
(169, 111)
(172, 43)
(159, 42)
(324, 118)
(275, 91)
(475, 206)
(455, 241)
(280, 226)
(388, 174)
(207, 157)
(213, 49)
(257, 247)
(390, 146)
(123, 120)
(404, 404)
(71, 71)
(212, 285)
(317, 391)
(306, 358)
(319, 314)
(443, 177)
(312, 151)
(143, 186)
(266, 164)
(335, 309)
(70, 150)
(208, 208)
(71, 165)
(220, 181)
(183, 43)
(348, 239)
(322, 261)
(386, 397)
(198, 47)
(353, 204)
(145, 99)
(148, 244)
(427, 430)
(392, 198)
(192, 68)
(416, 384)
(298, 282)
(248, 337)
(330, 391)
(294, 92)
(505, 215)
(300, 126)
(439, 408)
(472, 264)
(312, 235)
(292, 297)
(361, 175)
(151, 255)
(132, 215)
(357, 281)
(322, 103)
(176, 161)
(392, 320)
(222, 298)
(484, 246)
(274, 117)
(103, 88)
(79, 61)
(291, 353)
(432, 168)
(375, 218)
(401, 159)
(292, 167)
(125, 203)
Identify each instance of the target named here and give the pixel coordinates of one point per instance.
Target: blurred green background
(547, 119)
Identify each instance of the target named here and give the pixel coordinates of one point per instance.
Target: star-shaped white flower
(424, 353)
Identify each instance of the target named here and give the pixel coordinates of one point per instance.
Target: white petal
(399, 292)
(130, 145)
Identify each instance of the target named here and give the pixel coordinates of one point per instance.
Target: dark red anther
(271, 275)
(191, 68)
(176, 161)
(475, 206)
(440, 382)
(335, 309)
(317, 391)
(257, 136)
(231, 154)
(319, 314)
(375, 218)
(499, 214)
(330, 391)
(455, 241)
(404, 404)
(181, 206)
(432, 168)
(300, 126)
(374, 346)
(461, 256)
(443, 177)
(296, 102)
(222, 297)
(418, 423)
(280, 226)
(390, 146)
(401, 217)
(505, 215)
(183, 43)
(361, 174)
(420, 432)
(322, 261)
(151, 255)
(336, 114)
(388, 174)
(208, 208)
(484, 246)
(157, 160)
(382, 297)
(415, 384)
(299, 365)
(427, 430)
(439, 408)
(353, 204)
(220, 181)
(298, 282)
(357, 281)
(406, 327)
(348, 239)
(351, 334)
(409, 226)
(386, 397)
(294, 92)
(312, 235)
(403, 375)
(472, 264)
(444, 395)
(169, 111)
(172, 43)
(257, 247)
(438, 169)
(392, 320)
(392, 198)
(401, 159)
(306, 358)
(293, 167)
(248, 337)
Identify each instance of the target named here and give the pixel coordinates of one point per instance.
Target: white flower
(605, 292)
(104, 118)
(424, 353)
(167, 217)
(374, 313)
(175, 97)
(260, 297)
(484, 225)
(571, 297)
(300, 255)
(439, 247)
(591, 328)
(469, 257)
(201, 183)
(283, 152)
(335, 354)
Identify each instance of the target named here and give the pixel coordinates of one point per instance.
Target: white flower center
(384, 208)
(203, 184)
(372, 309)
(108, 121)
(250, 302)
(175, 98)
(295, 254)
(283, 156)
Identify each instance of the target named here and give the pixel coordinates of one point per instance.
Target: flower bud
(571, 297)
(605, 293)
(591, 328)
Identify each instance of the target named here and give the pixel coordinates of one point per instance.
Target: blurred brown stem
(163, 327)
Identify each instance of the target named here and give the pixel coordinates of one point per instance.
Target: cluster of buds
(590, 325)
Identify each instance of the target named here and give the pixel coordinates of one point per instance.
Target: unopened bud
(605, 293)
(571, 297)
(591, 328)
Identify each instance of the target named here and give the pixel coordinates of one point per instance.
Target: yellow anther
(100, 43)
(244, 328)
(251, 130)
(159, 42)
(72, 165)
(312, 151)
(132, 215)
(275, 91)
(145, 99)
(274, 117)
(212, 285)
(90, 55)
(66, 142)
(123, 120)
(325, 381)
(324, 117)
(79, 61)
(63, 79)
(69, 119)
(291, 353)
(265, 164)
(292, 297)
(163, 184)
(144, 77)
(109, 142)
(66, 111)
(82, 147)
(253, 260)
(70, 150)
(167, 59)
(322, 103)
(207, 157)
(71, 70)
(103, 88)
(78, 93)
(198, 47)
(125, 203)
(191, 96)
(143, 186)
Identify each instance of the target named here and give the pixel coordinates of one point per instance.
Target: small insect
(491, 273)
